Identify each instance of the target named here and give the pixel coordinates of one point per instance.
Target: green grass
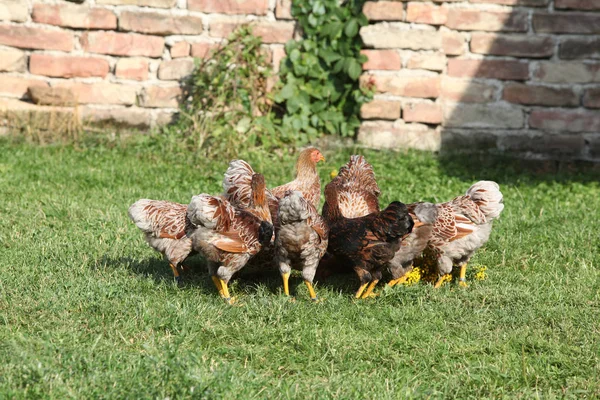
(88, 310)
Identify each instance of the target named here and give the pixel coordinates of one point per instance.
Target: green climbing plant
(320, 90)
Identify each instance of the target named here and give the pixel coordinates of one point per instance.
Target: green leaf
(354, 69)
(287, 91)
(351, 28)
(295, 55)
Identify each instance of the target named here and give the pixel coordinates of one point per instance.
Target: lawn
(88, 310)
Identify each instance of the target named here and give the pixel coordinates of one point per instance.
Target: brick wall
(517, 75)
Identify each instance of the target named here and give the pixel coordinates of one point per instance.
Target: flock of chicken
(249, 224)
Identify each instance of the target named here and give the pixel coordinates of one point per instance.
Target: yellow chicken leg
(395, 282)
(217, 283)
(286, 285)
(175, 273)
(225, 294)
(311, 291)
(360, 290)
(440, 280)
(462, 280)
(369, 291)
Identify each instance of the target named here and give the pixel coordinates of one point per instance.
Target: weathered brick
(258, 7)
(35, 38)
(453, 43)
(122, 44)
(124, 117)
(396, 135)
(470, 140)
(51, 96)
(567, 72)
(12, 61)
(566, 22)
(74, 16)
(68, 66)
(160, 24)
(283, 9)
(101, 92)
(14, 10)
(422, 112)
(132, 68)
(383, 36)
(180, 49)
(529, 3)
(433, 62)
(381, 109)
(202, 49)
(578, 4)
(477, 20)
(512, 45)
(482, 116)
(565, 120)
(591, 98)
(147, 3)
(382, 60)
(579, 48)
(546, 145)
(160, 97)
(166, 117)
(467, 91)
(409, 86)
(270, 32)
(425, 13)
(278, 55)
(539, 95)
(493, 69)
(175, 69)
(384, 11)
(17, 86)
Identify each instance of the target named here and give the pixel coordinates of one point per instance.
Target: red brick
(180, 49)
(132, 68)
(382, 60)
(122, 44)
(493, 69)
(565, 120)
(530, 3)
(160, 24)
(539, 95)
(467, 91)
(258, 7)
(385, 36)
(425, 13)
(566, 22)
(579, 48)
(74, 16)
(567, 72)
(12, 60)
(35, 38)
(578, 4)
(453, 43)
(278, 55)
(409, 86)
(147, 3)
(202, 49)
(172, 70)
(14, 10)
(477, 20)
(283, 9)
(101, 93)
(433, 62)
(67, 66)
(161, 97)
(51, 96)
(270, 32)
(512, 45)
(591, 98)
(126, 116)
(381, 109)
(384, 11)
(422, 112)
(17, 86)
(482, 116)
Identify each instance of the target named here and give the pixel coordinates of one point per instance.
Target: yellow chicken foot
(311, 291)
(395, 282)
(462, 280)
(360, 290)
(370, 289)
(440, 280)
(217, 283)
(286, 286)
(225, 293)
(175, 273)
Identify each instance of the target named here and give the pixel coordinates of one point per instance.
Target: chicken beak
(321, 158)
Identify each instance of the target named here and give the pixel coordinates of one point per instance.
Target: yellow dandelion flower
(333, 173)
(413, 277)
(481, 275)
